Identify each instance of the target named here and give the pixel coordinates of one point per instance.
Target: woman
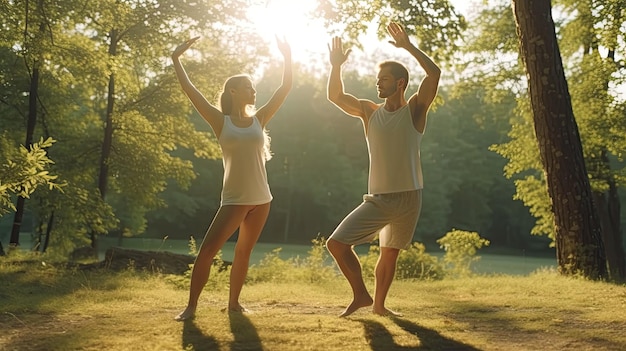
(246, 196)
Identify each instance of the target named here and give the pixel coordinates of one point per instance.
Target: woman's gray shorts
(392, 217)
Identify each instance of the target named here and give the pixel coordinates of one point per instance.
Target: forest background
(132, 158)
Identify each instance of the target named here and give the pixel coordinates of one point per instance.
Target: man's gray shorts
(392, 217)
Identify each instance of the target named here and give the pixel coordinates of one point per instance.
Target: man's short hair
(398, 70)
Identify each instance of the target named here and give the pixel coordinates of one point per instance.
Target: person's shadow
(244, 332)
(194, 337)
(380, 339)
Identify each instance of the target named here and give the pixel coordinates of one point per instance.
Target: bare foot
(386, 312)
(188, 313)
(362, 301)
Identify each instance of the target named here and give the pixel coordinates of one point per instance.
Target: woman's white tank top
(243, 157)
(394, 149)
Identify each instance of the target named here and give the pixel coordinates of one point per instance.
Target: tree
(34, 53)
(593, 28)
(577, 224)
(22, 171)
(138, 125)
(436, 24)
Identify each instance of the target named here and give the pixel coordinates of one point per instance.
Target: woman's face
(245, 92)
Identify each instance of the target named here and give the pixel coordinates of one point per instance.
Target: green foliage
(413, 263)
(461, 247)
(81, 51)
(272, 268)
(193, 247)
(314, 268)
(437, 25)
(586, 30)
(22, 171)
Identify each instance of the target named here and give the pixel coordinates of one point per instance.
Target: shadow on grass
(194, 337)
(244, 332)
(380, 339)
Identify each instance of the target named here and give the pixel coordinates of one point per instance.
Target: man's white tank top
(243, 156)
(394, 149)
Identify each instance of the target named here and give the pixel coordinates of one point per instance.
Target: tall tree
(150, 117)
(33, 53)
(591, 38)
(577, 224)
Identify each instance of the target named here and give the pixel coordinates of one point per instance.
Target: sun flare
(291, 20)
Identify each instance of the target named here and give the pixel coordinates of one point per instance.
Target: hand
(284, 47)
(337, 55)
(399, 35)
(180, 49)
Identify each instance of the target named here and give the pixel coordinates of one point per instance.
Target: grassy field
(47, 307)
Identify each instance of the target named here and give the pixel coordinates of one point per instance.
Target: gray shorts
(392, 217)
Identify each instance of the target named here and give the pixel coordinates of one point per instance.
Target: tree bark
(33, 95)
(107, 141)
(30, 131)
(578, 237)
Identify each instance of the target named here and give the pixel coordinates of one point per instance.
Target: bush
(461, 247)
(312, 269)
(413, 263)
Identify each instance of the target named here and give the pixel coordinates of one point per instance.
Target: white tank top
(243, 156)
(394, 149)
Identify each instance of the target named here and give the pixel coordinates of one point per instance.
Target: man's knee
(389, 253)
(335, 247)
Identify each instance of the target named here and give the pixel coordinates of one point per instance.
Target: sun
(292, 20)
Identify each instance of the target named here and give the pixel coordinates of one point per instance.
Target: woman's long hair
(226, 105)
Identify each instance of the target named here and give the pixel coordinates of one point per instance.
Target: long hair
(398, 71)
(226, 105)
(226, 100)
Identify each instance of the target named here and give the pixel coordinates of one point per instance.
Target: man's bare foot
(188, 313)
(386, 312)
(362, 301)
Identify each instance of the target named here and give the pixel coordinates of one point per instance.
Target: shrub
(271, 268)
(316, 266)
(460, 247)
(312, 269)
(413, 263)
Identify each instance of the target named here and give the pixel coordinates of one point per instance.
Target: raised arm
(336, 94)
(267, 111)
(209, 112)
(427, 91)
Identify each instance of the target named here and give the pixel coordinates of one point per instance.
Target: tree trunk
(48, 231)
(107, 142)
(33, 96)
(609, 208)
(30, 131)
(577, 225)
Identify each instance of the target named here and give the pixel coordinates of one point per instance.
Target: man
(393, 131)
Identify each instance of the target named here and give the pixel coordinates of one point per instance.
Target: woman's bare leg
(223, 226)
(249, 233)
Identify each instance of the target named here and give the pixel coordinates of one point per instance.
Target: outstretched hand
(284, 47)
(180, 49)
(399, 35)
(337, 55)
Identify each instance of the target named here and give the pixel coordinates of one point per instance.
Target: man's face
(386, 84)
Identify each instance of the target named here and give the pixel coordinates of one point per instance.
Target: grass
(46, 307)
